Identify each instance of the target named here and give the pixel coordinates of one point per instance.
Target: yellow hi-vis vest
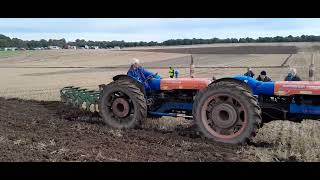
(171, 72)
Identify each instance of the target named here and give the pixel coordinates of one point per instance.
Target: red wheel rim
(224, 116)
(120, 107)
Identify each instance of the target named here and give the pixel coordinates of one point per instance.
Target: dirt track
(48, 131)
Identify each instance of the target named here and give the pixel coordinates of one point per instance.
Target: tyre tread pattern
(140, 105)
(254, 120)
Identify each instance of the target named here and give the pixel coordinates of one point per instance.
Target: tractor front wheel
(122, 105)
(226, 113)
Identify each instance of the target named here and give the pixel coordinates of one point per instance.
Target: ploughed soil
(51, 131)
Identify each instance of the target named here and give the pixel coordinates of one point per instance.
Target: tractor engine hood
(179, 83)
(288, 88)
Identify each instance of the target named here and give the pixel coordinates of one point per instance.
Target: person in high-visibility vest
(171, 72)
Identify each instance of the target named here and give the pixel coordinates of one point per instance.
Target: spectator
(176, 73)
(171, 72)
(249, 72)
(263, 77)
(292, 75)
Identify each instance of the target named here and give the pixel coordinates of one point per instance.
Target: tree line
(15, 42)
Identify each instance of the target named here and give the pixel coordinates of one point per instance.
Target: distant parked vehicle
(54, 47)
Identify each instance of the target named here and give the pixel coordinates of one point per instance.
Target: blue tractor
(224, 112)
(227, 110)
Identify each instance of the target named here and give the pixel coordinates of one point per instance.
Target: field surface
(50, 133)
(35, 77)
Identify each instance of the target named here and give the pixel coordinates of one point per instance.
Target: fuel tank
(179, 83)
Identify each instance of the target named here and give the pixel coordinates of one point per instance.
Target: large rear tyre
(226, 113)
(122, 105)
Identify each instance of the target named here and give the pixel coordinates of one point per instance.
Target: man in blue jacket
(292, 75)
(136, 70)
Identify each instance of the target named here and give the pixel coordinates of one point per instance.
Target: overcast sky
(150, 29)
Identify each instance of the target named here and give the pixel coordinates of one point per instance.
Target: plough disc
(80, 98)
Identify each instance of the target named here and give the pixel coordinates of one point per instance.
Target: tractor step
(169, 114)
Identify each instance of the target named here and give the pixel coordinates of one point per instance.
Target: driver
(136, 70)
(139, 73)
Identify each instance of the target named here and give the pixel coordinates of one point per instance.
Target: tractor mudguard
(233, 80)
(130, 79)
(258, 87)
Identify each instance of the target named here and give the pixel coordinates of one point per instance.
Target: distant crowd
(291, 76)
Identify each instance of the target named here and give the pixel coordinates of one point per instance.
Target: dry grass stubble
(288, 141)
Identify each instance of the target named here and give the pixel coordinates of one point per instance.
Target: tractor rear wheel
(227, 113)
(122, 105)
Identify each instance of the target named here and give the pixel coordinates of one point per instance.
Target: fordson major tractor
(228, 110)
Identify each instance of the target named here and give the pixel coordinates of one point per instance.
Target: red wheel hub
(224, 116)
(120, 107)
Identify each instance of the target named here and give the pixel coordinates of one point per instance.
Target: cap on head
(263, 73)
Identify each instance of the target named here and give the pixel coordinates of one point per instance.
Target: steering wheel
(151, 76)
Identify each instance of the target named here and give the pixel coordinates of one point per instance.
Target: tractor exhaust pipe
(191, 68)
(312, 69)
